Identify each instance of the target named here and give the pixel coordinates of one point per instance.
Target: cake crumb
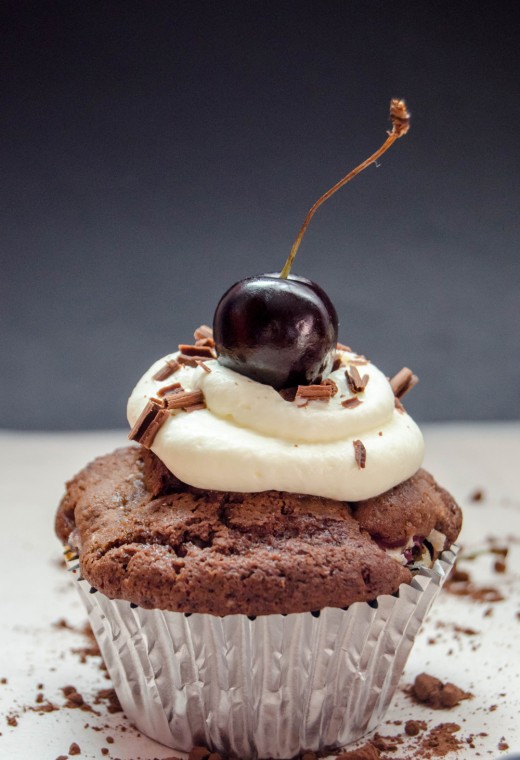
(414, 727)
(366, 752)
(431, 691)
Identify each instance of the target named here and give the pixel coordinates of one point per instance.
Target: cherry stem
(400, 119)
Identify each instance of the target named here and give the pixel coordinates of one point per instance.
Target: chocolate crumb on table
(366, 752)
(414, 727)
(432, 692)
(74, 749)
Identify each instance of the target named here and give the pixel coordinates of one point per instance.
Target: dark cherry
(278, 331)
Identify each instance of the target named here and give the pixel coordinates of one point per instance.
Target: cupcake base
(269, 686)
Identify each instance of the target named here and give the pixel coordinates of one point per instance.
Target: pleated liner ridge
(271, 686)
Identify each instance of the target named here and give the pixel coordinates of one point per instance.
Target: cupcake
(256, 564)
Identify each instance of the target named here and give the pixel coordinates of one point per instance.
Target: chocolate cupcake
(255, 571)
(267, 621)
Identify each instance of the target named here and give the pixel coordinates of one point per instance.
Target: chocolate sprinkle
(337, 363)
(330, 383)
(398, 405)
(355, 382)
(403, 381)
(166, 389)
(324, 391)
(199, 350)
(360, 454)
(351, 403)
(192, 361)
(169, 368)
(204, 332)
(185, 400)
(148, 423)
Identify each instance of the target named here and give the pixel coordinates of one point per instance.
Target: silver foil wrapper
(265, 687)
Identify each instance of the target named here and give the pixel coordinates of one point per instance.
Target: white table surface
(36, 592)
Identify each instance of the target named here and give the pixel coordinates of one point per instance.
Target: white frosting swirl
(250, 439)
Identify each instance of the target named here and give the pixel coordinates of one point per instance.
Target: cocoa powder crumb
(386, 743)
(110, 696)
(441, 740)
(432, 692)
(12, 720)
(199, 753)
(104, 750)
(414, 727)
(366, 752)
(74, 749)
(502, 744)
(62, 757)
(477, 495)
(3, 680)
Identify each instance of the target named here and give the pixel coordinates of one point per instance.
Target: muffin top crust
(144, 536)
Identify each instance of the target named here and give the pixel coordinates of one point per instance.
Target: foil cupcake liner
(269, 686)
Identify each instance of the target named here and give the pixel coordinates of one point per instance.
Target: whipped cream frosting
(249, 439)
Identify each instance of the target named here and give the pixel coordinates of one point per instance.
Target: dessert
(256, 564)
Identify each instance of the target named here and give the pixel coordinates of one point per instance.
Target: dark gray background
(155, 152)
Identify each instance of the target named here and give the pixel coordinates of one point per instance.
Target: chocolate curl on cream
(403, 381)
(355, 382)
(169, 368)
(149, 423)
(360, 454)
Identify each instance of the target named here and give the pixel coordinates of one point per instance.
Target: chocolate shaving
(360, 454)
(191, 361)
(403, 382)
(336, 364)
(359, 361)
(204, 366)
(332, 384)
(343, 347)
(148, 423)
(288, 394)
(351, 403)
(315, 391)
(169, 368)
(185, 400)
(195, 407)
(199, 350)
(398, 405)
(355, 382)
(204, 332)
(173, 388)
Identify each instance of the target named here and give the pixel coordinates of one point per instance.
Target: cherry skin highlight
(278, 331)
